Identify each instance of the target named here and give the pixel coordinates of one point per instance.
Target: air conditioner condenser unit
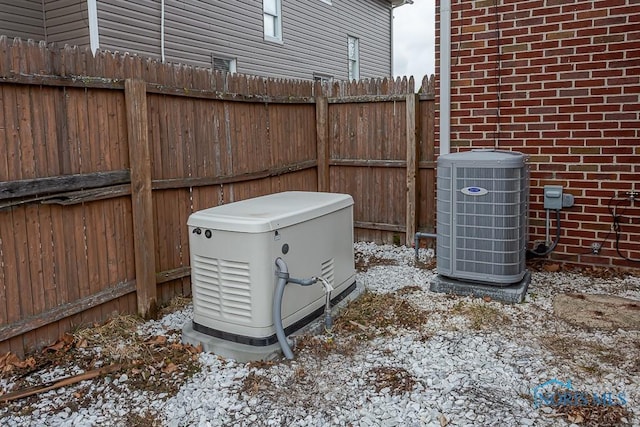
(482, 223)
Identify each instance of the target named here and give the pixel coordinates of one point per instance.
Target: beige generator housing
(233, 250)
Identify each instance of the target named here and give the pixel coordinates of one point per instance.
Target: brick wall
(560, 81)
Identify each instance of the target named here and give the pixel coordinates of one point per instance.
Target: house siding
(559, 81)
(67, 22)
(314, 34)
(132, 26)
(22, 19)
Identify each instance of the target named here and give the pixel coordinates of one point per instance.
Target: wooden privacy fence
(107, 155)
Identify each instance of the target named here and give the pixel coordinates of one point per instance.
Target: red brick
(611, 90)
(618, 150)
(592, 14)
(615, 168)
(623, 81)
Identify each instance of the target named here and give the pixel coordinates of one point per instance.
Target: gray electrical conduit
(420, 235)
(282, 273)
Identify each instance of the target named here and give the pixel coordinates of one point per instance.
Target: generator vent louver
(482, 216)
(328, 271)
(223, 287)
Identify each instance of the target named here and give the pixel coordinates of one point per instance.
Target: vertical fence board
(141, 200)
(322, 141)
(427, 188)
(412, 167)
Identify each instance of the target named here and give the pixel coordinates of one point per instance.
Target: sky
(414, 39)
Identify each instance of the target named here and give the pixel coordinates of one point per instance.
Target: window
(272, 13)
(223, 64)
(354, 58)
(321, 77)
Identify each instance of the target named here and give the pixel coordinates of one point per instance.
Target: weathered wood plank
(379, 226)
(380, 163)
(323, 147)
(169, 275)
(63, 311)
(165, 184)
(412, 106)
(72, 197)
(63, 81)
(227, 96)
(118, 84)
(370, 163)
(62, 183)
(359, 99)
(141, 201)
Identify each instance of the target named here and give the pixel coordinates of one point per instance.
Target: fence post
(412, 105)
(135, 91)
(322, 140)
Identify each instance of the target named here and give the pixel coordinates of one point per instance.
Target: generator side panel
(232, 277)
(233, 273)
(322, 247)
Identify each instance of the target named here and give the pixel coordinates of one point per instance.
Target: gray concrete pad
(510, 294)
(247, 353)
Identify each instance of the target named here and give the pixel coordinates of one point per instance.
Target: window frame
(277, 21)
(353, 61)
(322, 77)
(233, 63)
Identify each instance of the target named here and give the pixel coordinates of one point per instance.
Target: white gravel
(462, 375)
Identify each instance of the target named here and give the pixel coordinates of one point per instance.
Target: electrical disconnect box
(553, 197)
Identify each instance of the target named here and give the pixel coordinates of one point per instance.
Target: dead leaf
(443, 420)
(170, 368)
(55, 347)
(552, 268)
(63, 343)
(193, 350)
(486, 298)
(576, 419)
(157, 340)
(359, 325)
(28, 363)
(82, 343)
(10, 361)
